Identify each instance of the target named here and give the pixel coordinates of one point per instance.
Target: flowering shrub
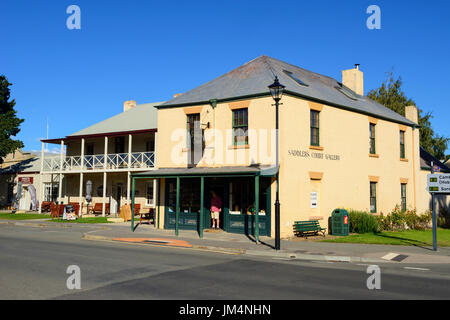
(401, 220)
(363, 222)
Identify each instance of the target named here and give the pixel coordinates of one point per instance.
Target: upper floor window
(372, 138)
(89, 149)
(402, 144)
(150, 145)
(314, 128)
(240, 126)
(119, 145)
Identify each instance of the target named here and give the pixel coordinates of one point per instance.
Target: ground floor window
(403, 194)
(373, 197)
(241, 199)
(189, 195)
(51, 191)
(150, 193)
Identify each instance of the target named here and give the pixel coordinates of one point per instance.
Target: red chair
(56, 210)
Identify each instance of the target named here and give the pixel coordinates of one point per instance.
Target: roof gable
(141, 117)
(253, 78)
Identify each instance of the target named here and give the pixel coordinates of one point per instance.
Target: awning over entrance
(253, 172)
(265, 171)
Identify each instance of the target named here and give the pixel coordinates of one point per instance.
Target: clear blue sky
(149, 50)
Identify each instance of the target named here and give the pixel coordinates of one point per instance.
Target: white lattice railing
(97, 162)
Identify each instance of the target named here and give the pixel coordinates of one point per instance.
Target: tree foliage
(9, 122)
(390, 95)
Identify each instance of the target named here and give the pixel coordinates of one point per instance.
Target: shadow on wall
(442, 203)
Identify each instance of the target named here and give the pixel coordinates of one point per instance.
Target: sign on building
(314, 199)
(438, 183)
(26, 180)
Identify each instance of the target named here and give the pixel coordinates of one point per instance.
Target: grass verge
(84, 220)
(23, 216)
(407, 237)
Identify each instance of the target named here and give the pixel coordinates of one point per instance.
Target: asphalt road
(34, 261)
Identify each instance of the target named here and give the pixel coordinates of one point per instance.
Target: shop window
(189, 195)
(150, 193)
(240, 126)
(242, 197)
(314, 128)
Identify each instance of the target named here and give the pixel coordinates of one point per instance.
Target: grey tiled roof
(141, 117)
(253, 78)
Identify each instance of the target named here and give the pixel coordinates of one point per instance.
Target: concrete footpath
(219, 241)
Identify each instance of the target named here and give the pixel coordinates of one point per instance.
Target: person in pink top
(216, 208)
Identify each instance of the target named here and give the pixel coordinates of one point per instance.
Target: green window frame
(372, 149)
(240, 126)
(314, 124)
(403, 195)
(402, 144)
(373, 197)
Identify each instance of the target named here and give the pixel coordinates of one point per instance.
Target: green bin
(340, 222)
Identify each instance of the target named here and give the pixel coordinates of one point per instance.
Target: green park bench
(308, 228)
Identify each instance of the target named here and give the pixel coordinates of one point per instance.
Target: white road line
(413, 268)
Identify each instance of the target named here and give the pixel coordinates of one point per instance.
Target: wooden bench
(150, 215)
(98, 207)
(308, 228)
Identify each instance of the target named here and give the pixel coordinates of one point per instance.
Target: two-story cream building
(338, 148)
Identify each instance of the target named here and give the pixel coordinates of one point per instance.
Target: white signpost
(436, 183)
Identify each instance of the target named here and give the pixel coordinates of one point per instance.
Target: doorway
(218, 187)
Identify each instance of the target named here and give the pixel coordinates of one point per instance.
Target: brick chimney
(177, 95)
(127, 105)
(411, 114)
(353, 79)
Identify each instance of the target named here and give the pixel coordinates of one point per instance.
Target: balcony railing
(114, 161)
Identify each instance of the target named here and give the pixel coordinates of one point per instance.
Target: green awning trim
(265, 171)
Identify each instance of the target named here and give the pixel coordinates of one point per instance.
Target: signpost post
(436, 183)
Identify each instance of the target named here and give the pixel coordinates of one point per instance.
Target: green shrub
(363, 222)
(401, 220)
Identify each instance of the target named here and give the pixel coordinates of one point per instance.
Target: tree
(9, 122)
(390, 95)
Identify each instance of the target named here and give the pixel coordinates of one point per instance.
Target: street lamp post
(276, 89)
